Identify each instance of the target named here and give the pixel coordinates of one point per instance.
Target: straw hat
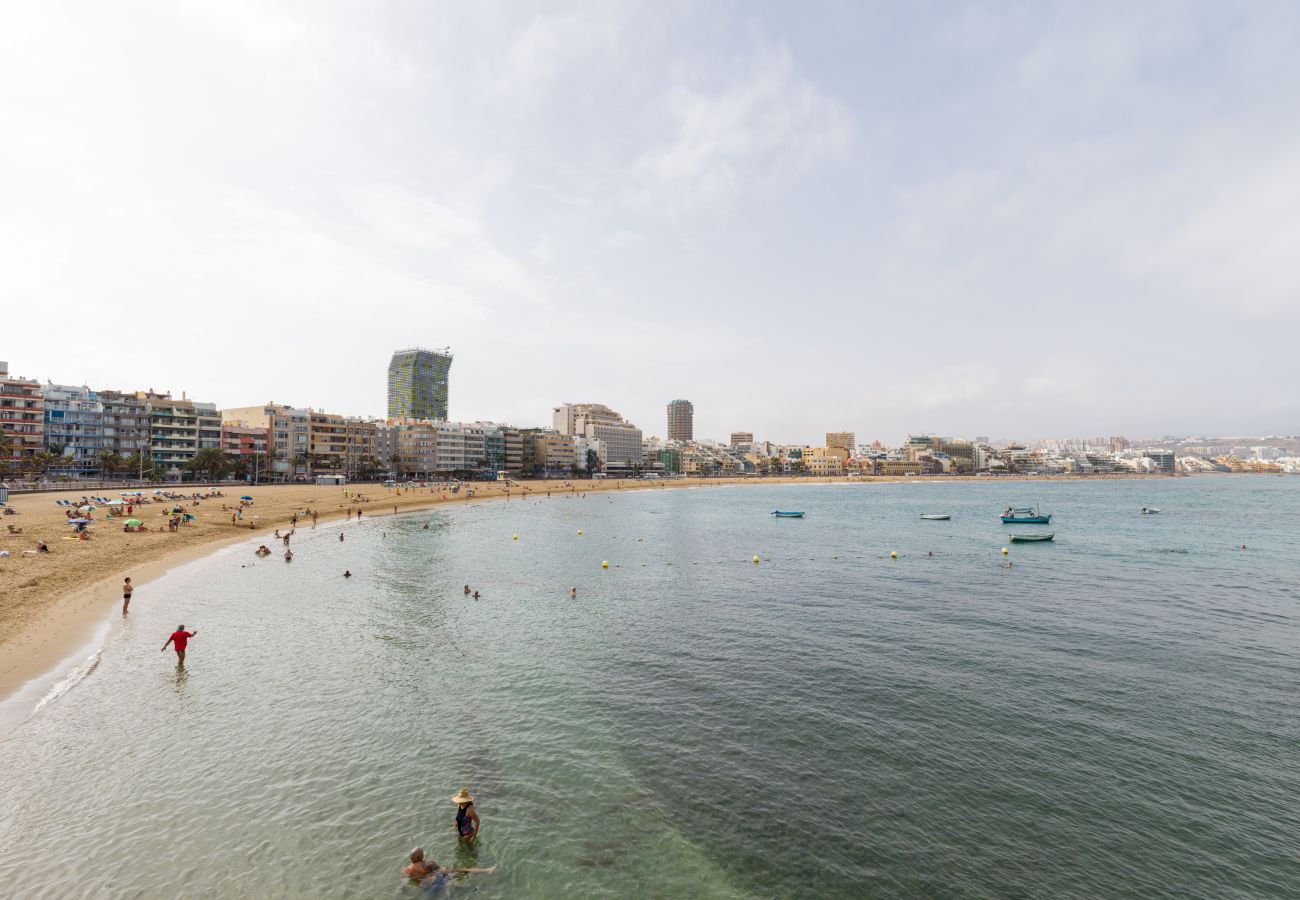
(463, 797)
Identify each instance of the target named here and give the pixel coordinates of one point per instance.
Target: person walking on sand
(180, 637)
(127, 589)
(467, 823)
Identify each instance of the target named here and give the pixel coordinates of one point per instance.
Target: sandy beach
(49, 603)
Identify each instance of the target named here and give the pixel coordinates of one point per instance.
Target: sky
(1005, 219)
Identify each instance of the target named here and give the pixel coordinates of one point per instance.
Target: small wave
(71, 680)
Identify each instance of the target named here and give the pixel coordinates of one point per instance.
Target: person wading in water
(180, 637)
(467, 823)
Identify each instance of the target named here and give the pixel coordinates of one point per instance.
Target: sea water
(1116, 714)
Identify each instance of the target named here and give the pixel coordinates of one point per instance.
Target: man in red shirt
(180, 637)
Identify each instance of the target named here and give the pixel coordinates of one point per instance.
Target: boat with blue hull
(1025, 516)
(787, 515)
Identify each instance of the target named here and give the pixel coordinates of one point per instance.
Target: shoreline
(68, 595)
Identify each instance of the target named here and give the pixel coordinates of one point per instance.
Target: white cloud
(763, 127)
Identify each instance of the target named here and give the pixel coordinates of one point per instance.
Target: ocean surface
(1116, 715)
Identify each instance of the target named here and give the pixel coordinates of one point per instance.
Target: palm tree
(109, 463)
(42, 462)
(210, 460)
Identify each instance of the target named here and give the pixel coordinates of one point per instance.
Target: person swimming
(573, 592)
(433, 877)
(467, 590)
(347, 574)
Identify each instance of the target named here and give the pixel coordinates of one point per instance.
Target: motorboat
(1024, 515)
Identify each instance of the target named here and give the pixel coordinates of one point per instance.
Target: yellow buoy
(579, 531)
(515, 538)
(1004, 551)
(605, 564)
(755, 559)
(893, 554)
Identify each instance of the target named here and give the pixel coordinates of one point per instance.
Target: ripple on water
(1107, 718)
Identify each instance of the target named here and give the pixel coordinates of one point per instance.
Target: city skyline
(1023, 221)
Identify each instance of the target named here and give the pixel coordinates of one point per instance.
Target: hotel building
(417, 384)
(595, 421)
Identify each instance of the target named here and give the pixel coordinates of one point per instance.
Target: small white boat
(936, 517)
(1149, 510)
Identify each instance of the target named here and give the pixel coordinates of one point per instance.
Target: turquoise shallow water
(1116, 715)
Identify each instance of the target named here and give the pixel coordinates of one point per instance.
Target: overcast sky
(1004, 219)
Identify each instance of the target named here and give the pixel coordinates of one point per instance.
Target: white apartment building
(595, 421)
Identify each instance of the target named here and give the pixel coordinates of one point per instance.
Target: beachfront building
(824, 461)
(681, 421)
(742, 440)
(327, 443)
(414, 453)
(841, 443)
(1161, 460)
(22, 421)
(74, 429)
(126, 427)
(288, 435)
(459, 449)
(417, 384)
(596, 421)
(547, 453)
(362, 447)
(242, 441)
(174, 431)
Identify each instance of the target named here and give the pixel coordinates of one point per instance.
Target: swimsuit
(464, 824)
(437, 882)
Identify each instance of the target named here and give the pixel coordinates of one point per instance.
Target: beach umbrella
(116, 503)
(78, 521)
(133, 522)
(245, 497)
(85, 509)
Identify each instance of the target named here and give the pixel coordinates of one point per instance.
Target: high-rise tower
(681, 421)
(417, 383)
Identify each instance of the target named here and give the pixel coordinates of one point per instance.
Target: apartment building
(547, 454)
(288, 435)
(840, 443)
(681, 420)
(362, 446)
(22, 418)
(74, 429)
(125, 423)
(327, 443)
(173, 431)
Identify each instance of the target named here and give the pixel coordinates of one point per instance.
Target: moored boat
(936, 517)
(780, 514)
(1031, 538)
(1023, 515)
